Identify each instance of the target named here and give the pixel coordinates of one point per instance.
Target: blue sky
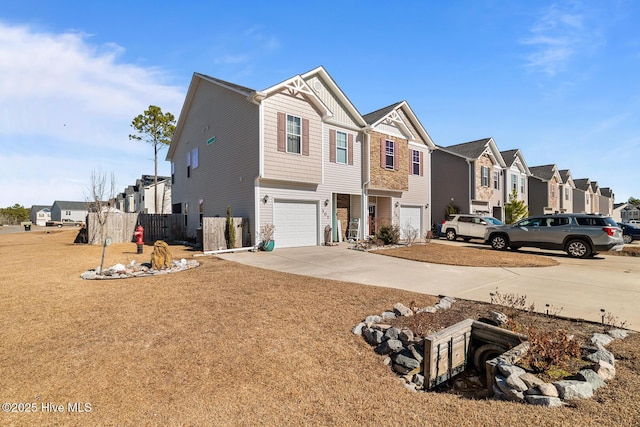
(560, 80)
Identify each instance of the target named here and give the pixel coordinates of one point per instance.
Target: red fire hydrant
(139, 236)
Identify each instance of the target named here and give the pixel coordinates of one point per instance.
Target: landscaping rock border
(509, 378)
(404, 352)
(120, 271)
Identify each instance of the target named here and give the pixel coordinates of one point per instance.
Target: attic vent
(317, 86)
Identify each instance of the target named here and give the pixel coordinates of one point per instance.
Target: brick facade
(484, 193)
(385, 179)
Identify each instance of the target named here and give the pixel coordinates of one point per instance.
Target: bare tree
(100, 199)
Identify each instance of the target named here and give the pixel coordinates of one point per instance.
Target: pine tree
(516, 209)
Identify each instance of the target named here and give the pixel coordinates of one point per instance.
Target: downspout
(364, 229)
(472, 179)
(430, 187)
(257, 98)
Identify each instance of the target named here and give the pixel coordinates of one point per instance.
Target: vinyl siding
(281, 191)
(226, 168)
(340, 115)
(411, 127)
(291, 166)
(340, 177)
(449, 180)
(419, 188)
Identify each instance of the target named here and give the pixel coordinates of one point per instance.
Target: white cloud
(559, 36)
(66, 107)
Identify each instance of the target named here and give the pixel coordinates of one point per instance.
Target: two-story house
(607, 199)
(566, 191)
(141, 196)
(397, 170)
(39, 214)
(297, 155)
(544, 189)
(65, 210)
(582, 196)
(468, 177)
(516, 176)
(595, 197)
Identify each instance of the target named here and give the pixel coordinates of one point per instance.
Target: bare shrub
(549, 349)
(410, 234)
(513, 302)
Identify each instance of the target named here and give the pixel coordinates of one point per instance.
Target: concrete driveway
(580, 287)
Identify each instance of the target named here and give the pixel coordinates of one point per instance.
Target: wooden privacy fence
(120, 226)
(213, 237)
(167, 227)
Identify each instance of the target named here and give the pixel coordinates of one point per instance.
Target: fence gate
(167, 227)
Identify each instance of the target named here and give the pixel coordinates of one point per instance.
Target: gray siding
(449, 179)
(538, 192)
(228, 167)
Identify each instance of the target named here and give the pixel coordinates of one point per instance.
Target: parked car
(580, 235)
(629, 232)
(467, 226)
(633, 221)
(66, 222)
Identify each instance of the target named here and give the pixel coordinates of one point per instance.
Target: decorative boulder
(161, 256)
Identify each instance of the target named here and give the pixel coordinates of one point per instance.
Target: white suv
(467, 226)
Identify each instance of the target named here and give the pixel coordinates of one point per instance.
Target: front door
(372, 220)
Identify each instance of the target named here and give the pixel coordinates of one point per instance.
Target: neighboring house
(595, 197)
(397, 170)
(582, 196)
(607, 199)
(629, 212)
(469, 177)
(618, 210)
(516, 176)
(544, 190)
(75, 211)
(39, 215)
(566, 191)
(288, 155)
(141, 196)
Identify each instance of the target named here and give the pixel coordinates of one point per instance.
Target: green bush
(230, 230)
(389, 234)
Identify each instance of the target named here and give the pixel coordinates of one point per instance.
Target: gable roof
(606, 191)
(583, 184)
(72, 206)
(512, 156)
(472, 150)
(509, 156)
(390, 113)
(295, 85)
(38, 208)
(337, 92)
(375, 116)
(545, 172)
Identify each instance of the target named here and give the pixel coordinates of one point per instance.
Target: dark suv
(580, 235)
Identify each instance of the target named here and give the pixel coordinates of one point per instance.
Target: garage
(296, 223)
(410, 216)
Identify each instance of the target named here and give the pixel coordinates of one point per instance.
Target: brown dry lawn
(468, 255)
(225, 344)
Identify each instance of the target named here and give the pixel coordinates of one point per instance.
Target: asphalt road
(577, 288)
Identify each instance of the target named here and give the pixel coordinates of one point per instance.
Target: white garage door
(296, 224)
(410, 216)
